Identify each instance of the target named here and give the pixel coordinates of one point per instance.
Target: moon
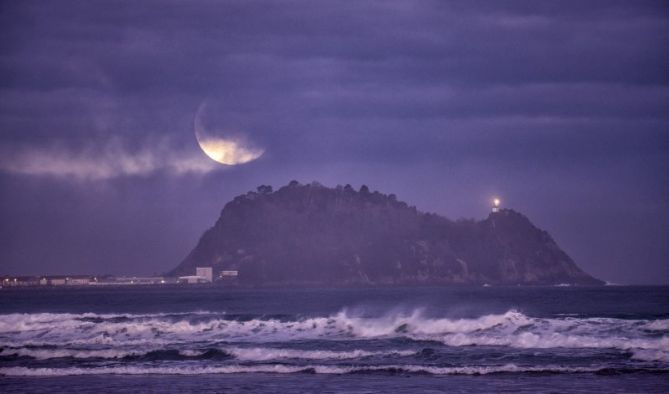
(229, 150)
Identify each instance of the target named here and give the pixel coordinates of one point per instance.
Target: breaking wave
(318, 369)
(238, 353)
(511, 329)
(52, 344)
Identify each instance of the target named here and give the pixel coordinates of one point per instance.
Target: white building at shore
(205, 272)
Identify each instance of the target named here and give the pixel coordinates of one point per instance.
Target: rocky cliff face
(311, 234)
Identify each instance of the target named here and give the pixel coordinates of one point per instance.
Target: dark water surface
(213, 339)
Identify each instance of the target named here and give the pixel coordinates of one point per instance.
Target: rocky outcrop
(314, 235)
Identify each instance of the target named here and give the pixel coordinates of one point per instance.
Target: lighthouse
(495, 204)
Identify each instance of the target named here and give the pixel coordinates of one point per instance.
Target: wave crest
(510, 329)
(318, 369)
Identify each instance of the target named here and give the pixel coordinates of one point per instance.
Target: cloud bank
(111, 161)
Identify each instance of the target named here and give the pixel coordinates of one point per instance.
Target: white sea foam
(240, 353)
(45, 354)
(151, 331)
(283, 369)
(651, 355)
(264, 354)
(191, 352)
(658, 325)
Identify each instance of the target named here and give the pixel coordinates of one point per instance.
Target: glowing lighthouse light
(495, 204)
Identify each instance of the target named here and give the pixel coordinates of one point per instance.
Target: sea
(562, 339)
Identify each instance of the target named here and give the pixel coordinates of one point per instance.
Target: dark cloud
(559, 107)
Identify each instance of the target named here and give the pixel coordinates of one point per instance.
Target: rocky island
(314, 235)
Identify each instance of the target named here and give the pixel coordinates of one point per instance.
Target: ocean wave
(266, 354)
(239, 353)
(46, 354)
(661, 355)
(529, 340)
(658, 325)
(510, 329)
(317, 369)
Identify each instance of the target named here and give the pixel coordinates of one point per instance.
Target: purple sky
(560, 108)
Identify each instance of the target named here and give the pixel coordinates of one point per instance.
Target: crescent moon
(225, 150)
